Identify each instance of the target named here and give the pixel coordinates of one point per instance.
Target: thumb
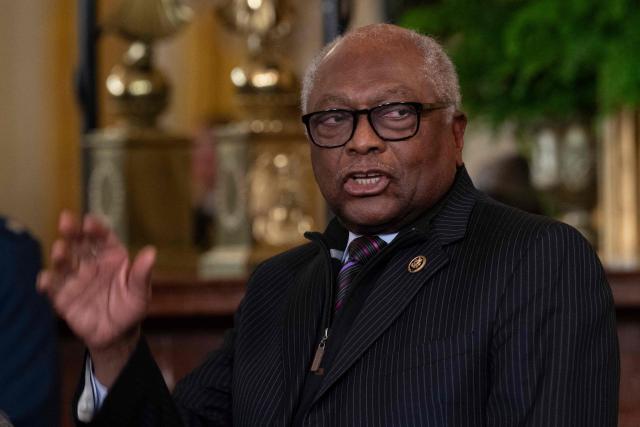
(140, 273)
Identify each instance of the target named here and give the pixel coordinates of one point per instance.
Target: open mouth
(368, 183)
(367, 179)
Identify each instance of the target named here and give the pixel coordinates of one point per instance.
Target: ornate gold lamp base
(138, 182)
(284, 201)
(229, 255)
(265, 194)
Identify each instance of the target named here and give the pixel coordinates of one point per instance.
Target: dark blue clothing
(29, 386)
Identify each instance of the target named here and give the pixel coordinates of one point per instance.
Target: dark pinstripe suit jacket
(510, 323)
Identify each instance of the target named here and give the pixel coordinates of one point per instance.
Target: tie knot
(364, 247)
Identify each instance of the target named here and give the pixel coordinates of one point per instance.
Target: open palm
(92, 284)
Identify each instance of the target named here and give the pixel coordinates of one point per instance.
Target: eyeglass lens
(390, 122)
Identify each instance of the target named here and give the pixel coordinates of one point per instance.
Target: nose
(364, 139)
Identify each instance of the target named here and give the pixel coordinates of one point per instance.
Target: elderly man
(423, 303)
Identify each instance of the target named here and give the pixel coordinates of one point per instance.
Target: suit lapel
(301, 321)
(397, 286)
(393, 291)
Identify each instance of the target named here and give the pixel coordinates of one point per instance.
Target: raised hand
(95, 288)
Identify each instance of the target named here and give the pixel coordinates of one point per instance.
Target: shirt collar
(343, 255)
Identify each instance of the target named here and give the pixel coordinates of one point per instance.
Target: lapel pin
(417, 264)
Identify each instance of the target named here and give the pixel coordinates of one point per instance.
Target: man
(466, 312)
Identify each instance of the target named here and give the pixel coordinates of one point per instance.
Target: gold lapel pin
(417, 264)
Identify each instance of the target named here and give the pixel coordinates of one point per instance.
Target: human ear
(458, 126)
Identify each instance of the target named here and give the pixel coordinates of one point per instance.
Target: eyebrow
(333, 99)
(381, 97)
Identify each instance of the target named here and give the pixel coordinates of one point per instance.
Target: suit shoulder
(14, 237)
(536, 233)
(272, 279)
(289, 260)
(507, 226)
(503, 219)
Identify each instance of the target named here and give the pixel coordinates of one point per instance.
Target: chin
(379, 217)
(370, 223)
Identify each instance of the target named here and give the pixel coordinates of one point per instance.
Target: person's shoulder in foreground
(28, 371)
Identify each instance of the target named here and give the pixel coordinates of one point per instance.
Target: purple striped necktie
(360, 250)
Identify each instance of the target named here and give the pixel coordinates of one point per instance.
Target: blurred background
(178, 122)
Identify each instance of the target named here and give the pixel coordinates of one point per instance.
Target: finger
(65, 266)
(68, 256)
(94, 228)
(49, 283)
(60, 256)
(69, 226)
(70, 229)
(98, 237)
(85, 238)
(140, 273)
(45, 281)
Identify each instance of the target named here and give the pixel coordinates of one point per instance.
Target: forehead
(362, 73)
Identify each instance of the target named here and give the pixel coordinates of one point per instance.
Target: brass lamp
(139, 175)
(282, 201)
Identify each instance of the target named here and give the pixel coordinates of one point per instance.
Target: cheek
(426, 172)
(324, 170)
(418, 167)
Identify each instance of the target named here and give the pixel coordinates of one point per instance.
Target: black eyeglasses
(395, 121)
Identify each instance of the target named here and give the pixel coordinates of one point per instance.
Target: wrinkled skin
(97, 291)
(410, 176)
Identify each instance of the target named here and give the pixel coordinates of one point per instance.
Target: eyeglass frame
(420, 107)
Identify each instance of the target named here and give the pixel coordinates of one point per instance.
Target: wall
(38, 122)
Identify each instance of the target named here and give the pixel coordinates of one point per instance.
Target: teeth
(367, 181)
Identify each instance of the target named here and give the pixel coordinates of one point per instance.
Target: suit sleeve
(554, 358)
(140, 397)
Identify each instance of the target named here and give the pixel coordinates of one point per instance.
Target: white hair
(438, 68)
